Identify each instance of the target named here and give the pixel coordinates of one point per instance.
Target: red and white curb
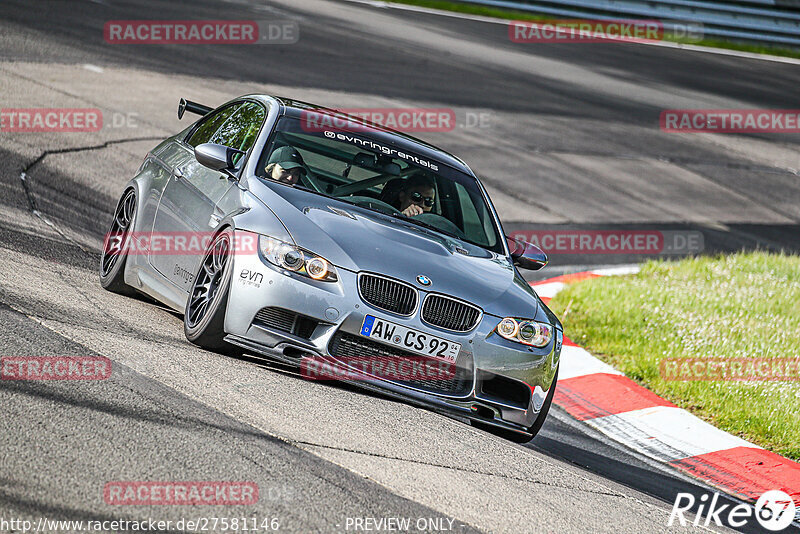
(595, 393)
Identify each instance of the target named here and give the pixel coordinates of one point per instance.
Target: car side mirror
(526, 255)
(217, 157)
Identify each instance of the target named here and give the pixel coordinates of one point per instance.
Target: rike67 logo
(774, 510)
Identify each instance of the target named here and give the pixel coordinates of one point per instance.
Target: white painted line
(549, 289)
(663, 44)
(617, 271)
(93, 68)
(666, 433)
(576, 361)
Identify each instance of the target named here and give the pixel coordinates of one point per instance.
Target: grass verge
(510, 14)
(741, 305)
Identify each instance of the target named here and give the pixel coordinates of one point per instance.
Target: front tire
(204, 315)
(114, 256)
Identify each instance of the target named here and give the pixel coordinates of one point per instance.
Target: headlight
(296, 259)
(289, 257)
(508, 328)
(317, 268)
(524, 331)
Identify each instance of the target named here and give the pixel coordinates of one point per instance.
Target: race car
(312, 237)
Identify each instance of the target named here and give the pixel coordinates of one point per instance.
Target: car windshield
(352, 167)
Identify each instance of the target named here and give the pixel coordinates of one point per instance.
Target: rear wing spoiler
(192, 107)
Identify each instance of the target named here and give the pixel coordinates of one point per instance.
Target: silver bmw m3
(311, 237)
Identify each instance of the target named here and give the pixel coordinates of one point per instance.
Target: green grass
(510, 14)
(741, 305)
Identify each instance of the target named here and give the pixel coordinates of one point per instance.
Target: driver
(286, 165)
(416, 195)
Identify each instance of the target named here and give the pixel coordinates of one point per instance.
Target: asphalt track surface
(571, 140)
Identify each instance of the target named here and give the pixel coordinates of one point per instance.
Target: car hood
(358, 239)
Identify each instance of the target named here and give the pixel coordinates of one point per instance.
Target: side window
(477, 221)
(241, 129)
(211, 124)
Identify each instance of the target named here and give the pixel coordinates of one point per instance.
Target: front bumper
(507, 382)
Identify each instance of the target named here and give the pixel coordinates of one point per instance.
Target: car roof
(296, 108)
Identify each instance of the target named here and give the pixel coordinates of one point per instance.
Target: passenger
(286, 165)
(416, 195)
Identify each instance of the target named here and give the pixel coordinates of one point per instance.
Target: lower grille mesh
(286, 321)
(346, 346)
(277, 318)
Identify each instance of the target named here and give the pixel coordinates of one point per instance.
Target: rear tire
(204, 315)
(113, 257)
(517, 437)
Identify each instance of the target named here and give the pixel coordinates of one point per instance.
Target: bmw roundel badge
(423, 280)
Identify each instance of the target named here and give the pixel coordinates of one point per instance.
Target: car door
(189, 206)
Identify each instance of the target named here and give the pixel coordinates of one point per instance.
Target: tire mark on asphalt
(106, 144)
(31, 198)
(23, 177)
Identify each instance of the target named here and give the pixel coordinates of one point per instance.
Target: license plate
(410, 340)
